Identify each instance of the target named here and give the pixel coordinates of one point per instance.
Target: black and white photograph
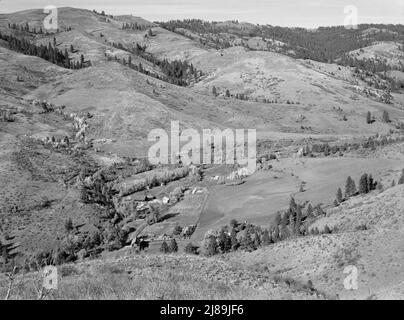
(213, 152)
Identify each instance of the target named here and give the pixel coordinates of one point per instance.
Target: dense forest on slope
(49, 53)
(180, 73)
(325, 44)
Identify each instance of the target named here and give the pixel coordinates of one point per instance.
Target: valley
(77, 189)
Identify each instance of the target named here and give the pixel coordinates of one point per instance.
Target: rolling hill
(75, 182)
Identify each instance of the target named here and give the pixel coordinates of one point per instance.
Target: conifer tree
(164, 247)
(386, 117)
(350, 188)
(363, 184)
(210, 245)
(257, 240)
(339, 195)
(368, 118)
(173, 245)
(233, 240)
(214, 91)
(246, 242)
(266, 238)
(401, 180)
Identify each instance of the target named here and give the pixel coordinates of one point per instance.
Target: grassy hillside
(75, 185)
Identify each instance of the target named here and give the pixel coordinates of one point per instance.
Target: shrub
(233, 223)
(177, 230)
(69, 225)
(191, 249)
(68, 270)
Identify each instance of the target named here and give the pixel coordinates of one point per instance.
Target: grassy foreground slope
(370, 237)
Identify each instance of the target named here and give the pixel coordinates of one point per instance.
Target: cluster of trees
(371, 65)
(103, 14)
(369, 143)
(366, 184)
(244, 97)
(25, 28)
(50, 53)
(385, 117)
(180, 73)
(134, 26)
(294, 222)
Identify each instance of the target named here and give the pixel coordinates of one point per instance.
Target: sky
(293, 13)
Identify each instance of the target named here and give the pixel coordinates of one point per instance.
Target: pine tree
(164, 247)
(350, 188)
(401, 180)
(309, 212)
(386, 117)
(247, 242)
(275, 234)
(257, 240)
(363, 184)
(266, 238)
(69, 225)
(214, 91)
(284, 233)
(298, 222)
(233, 240)
(173, 245)
(210, 245)
(222, 240)
(327, 229)
(339, 195)
(368, 118)
(371, 183)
